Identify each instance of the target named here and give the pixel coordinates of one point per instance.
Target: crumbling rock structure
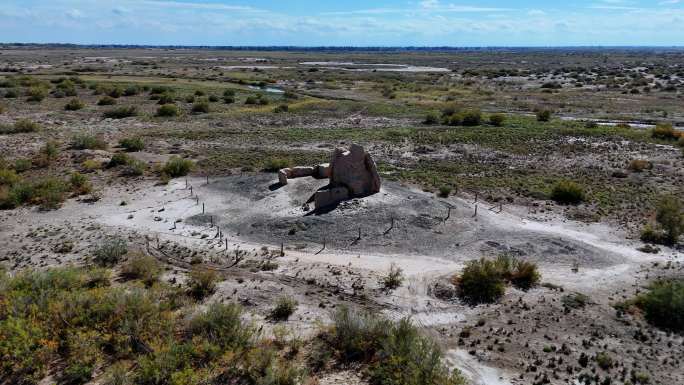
(352, 173)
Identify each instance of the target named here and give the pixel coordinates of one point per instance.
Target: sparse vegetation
(543, 115)
(110, 252)
(202, 282)
(200, 107)
(121, 113)
(669, 224)
(177, 167)
(142, 267)
(665, 131)
(20, 126)
(484, 280)
(74, 105)
(393, 279)
(283, 309)
(88, 142)
(106, 101)
(132, 144)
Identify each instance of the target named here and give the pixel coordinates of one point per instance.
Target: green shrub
(663, 304)
(166, 98)
(444, 191)
(106, 101)
(497, 120)
(669, 222)
(200, 107)
(276, 164)
(36, 94)
(110, 252)
(281, 108)
(121, 112)
(134, 168)
(119, 159)
(604, 360)
(213, 98)
(398, 353)
(168, 110)
(283, 309)
(431, 119)
(80, 184)
(74, 105)
(11, 94)
(222, 324)
(665, 131)
(481, 281)
(22, 165)
(190, 99)
(115, 92)
(88, 142)
(393, 279)
(20, 126)
(543, 115)
(202, 282)
(467, 118)
(132, 144)
(200, 93)
(177, 167)
(575, 300)
(8, 177)
(142, 267)
(567, 192)
(131, 91)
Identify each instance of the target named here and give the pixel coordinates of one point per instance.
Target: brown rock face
(355, 170)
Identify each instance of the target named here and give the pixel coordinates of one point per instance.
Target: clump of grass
(575, 300)
(121, 112)
(393, 279)
(47, 154)
(222, 324)
(132, 144)
(665, 131)
(431, 118)
(110, 252)
(88, 142)
(257, 100)
(202, 282)
(165, 98)
(281, 108)
(283, 309)
(19, 127)
(444, 191)
(74, 105)
(177, 167)
(132, 90)
(468, 118)
(168, 110)
(106, 101)
(567, 192)
(142, 267)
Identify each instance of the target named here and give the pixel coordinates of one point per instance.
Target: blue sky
(347, 23)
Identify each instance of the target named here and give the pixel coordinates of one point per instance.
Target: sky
(460, 23)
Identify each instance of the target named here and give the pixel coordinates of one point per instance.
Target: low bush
(663, 304)
(37, 94)
(202, 282)
(119, 159)
(665, 131)
(669, 225)
(213, 98)
(168, 110)
(132, 90)
(200, 107)
(281, 108)
(19, 127)
(47, 154)
(132, 144)
(468, 118)
(144, 268)
(80, 184)
(444, 191)
(283, 309)
(165, 98)
(177, 167)
(397, 353)
(222, 324)
(431, 119)
(11, 94)
(74, 105)
(88, 142)
(497, 120)
(543, 115)
(575, 300)
(106, 101)
(480, 281)
(567, 192)
(484, 280)
(275, 164)
(110, 252)
(393, 279)
(121, 112)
